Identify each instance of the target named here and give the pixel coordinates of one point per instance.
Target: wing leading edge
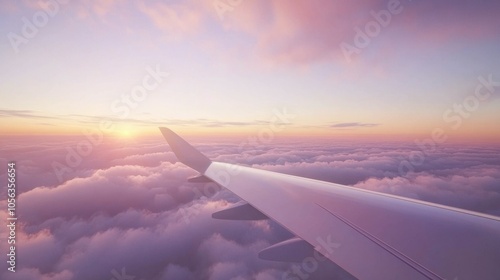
(370, 235)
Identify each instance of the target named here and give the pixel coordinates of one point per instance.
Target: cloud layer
(127, 208)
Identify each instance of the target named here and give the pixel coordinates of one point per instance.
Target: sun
(125, 133)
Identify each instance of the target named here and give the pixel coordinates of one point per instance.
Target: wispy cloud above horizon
(148, 122)
(353, 125)
(28, 114)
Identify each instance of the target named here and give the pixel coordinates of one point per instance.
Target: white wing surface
(371, 235)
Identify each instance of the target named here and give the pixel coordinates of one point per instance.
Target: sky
(399, 97)
(373, 69)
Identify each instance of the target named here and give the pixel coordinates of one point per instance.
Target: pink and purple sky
(229, 66)
(411, 109)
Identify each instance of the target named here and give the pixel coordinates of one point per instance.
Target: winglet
(186, 153)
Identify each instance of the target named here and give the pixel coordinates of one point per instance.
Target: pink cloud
(303, 33)
(113, 190)
(300, 33)
(176, 21)
(102, 8)
(312, 31)
(129, 208)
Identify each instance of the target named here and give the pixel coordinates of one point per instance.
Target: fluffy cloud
(128, 209)
(311, 31)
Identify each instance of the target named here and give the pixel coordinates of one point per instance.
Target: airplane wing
(370, 235)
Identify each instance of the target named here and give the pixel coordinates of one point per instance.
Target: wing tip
(186, 153)
(165, 131)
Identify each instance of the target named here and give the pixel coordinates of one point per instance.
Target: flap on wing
(291, 250)
(199, 179)
(239, 211)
